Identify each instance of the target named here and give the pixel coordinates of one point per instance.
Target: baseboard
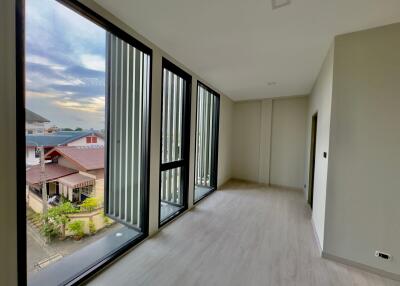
(320, 252)
(285, 187)
(361, 266)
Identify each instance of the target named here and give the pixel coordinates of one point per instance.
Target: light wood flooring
(244, 235)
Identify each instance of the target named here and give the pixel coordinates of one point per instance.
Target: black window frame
(215, 146)
(185, 161)
(108, 26)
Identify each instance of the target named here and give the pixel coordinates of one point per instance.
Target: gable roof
(59, 138)
(87, 158)
(32, 117)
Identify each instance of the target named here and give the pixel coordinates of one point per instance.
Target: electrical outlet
(383, 255)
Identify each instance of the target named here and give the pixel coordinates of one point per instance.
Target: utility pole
(43, 179)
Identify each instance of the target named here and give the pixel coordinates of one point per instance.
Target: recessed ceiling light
(279, 3)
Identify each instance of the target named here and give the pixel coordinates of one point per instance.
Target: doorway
(314, 124)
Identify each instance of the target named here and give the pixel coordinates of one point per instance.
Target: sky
(65, 66)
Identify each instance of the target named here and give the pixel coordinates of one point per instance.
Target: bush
(89, 204)
(50, 230)
(76, 227)
(55, 219)
(106, 220)
(92, 227)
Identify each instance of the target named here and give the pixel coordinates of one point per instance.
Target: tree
(57, 217)
(78, 129)
(67, 129)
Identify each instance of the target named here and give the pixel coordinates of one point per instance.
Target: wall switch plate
(383, 255)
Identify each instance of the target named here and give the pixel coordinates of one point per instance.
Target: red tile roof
(52, 171)
(88, 158)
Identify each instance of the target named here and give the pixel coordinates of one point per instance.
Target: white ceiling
(238, 46)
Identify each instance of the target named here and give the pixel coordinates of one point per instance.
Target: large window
(175, 129)
(207, 122)
(87, 91)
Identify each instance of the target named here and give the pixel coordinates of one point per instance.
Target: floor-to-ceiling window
(207, 122)
(175, 134)
(87, 92)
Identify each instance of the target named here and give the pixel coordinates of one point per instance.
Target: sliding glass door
(207, 123)
(175, 135)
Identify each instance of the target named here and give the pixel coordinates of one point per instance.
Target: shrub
(106, 220)
(92, 227)
(89, 204)
(76, 227)
(50, 230)
(55, 219)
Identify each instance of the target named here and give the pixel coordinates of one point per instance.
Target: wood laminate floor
(244, 234)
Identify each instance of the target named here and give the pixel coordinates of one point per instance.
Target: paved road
(38, 250)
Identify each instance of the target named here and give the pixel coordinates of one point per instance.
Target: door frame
(184, 162)
(311, 170)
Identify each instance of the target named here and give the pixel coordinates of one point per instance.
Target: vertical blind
(205, 136)
(171, 135)
(128, 75)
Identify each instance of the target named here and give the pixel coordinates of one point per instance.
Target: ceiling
(242, 47)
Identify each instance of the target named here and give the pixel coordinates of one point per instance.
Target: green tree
(67, 129)
(57, 218)
(78, 129)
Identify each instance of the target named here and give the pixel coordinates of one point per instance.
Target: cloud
(65, 65)
(94, 62)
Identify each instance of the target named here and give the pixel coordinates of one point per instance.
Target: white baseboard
(361, 266)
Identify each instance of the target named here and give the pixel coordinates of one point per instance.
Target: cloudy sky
(65, 66)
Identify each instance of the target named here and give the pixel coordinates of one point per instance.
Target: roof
(32, 117)
(87, 157)
(76, 180)
(59, 138)
(52, 171)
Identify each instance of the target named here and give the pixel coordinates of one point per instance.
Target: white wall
(363, 189)
(288, 142)
(320, 101)
(246, 140)
(8, 218)
(225, 140)
(269, 141)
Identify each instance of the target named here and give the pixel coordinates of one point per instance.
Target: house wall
(362, 203)
(30, 157)
(35, 128)
(268, 141)
(82, 142)
(8, 152)
(320, 101)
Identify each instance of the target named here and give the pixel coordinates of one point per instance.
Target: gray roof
(32, 117)
(60, 138)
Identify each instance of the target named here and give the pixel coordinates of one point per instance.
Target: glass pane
(205, 141)
(171, 135)
(66, 135)
(171, 192)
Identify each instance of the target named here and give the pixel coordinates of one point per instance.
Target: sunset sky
(65, 66)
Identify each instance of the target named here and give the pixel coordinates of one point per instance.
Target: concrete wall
(8, 181)
(363, 195)
(320, 102)
(269, 141)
